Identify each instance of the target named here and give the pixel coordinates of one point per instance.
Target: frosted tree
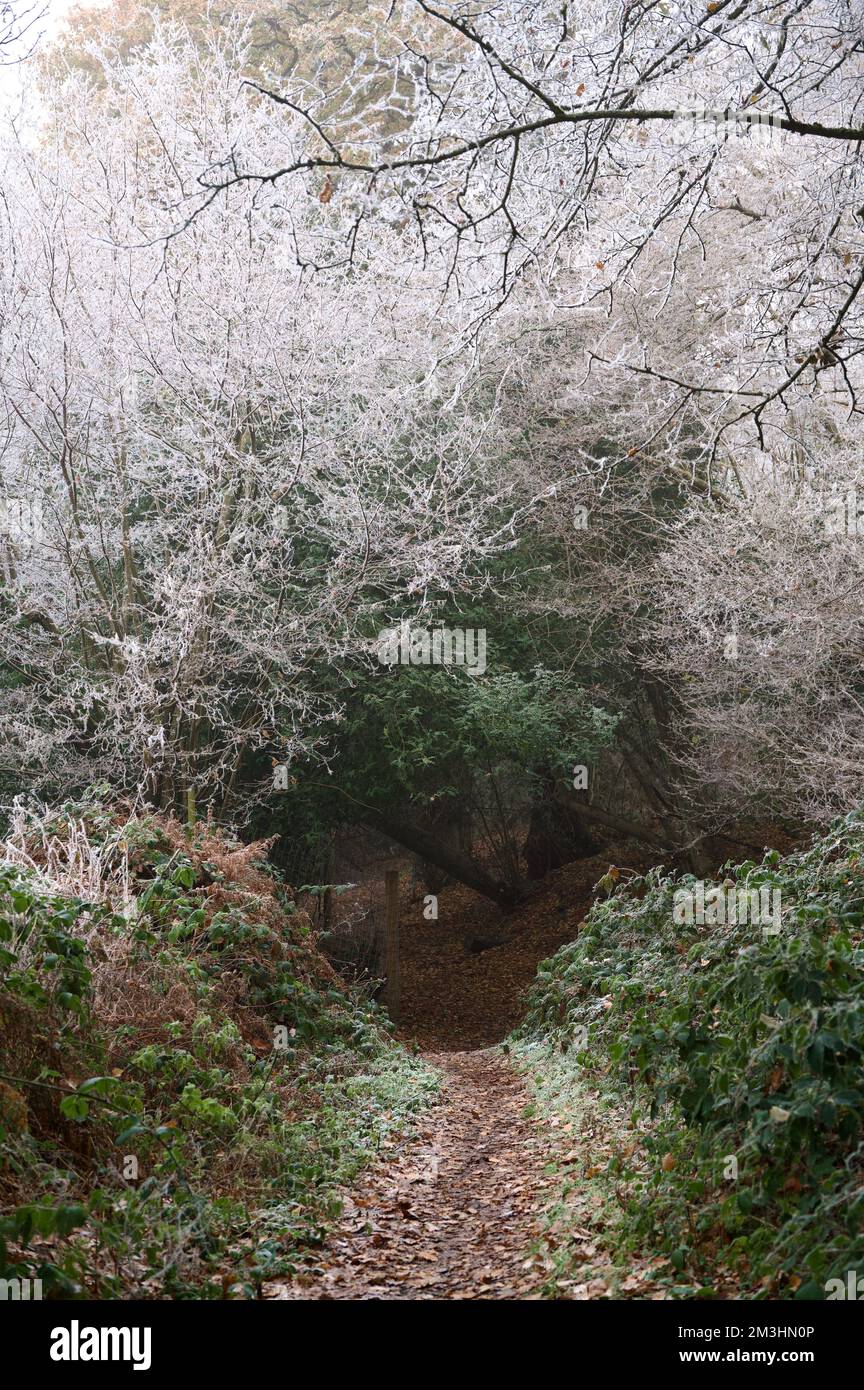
(240, 467)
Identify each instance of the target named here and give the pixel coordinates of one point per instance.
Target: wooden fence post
(393, 989)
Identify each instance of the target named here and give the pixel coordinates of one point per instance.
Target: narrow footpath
(453, 1214)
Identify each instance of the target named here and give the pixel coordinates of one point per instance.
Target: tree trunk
(430, 848)
(697, 853)
(556, 836)
(634, 830)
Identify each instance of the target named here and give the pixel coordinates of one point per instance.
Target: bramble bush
(734, 1045)
(146, 1031)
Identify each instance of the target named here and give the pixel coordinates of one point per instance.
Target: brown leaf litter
(453, 1214)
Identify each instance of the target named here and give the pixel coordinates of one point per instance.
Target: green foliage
(735, 1044)
(229, 1140)
(423, 736)
(429, 727)
(41, 959)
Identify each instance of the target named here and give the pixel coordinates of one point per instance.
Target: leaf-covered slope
(183, 1081)
(732, 1057)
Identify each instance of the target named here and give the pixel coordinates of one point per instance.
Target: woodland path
(453, 1213)
(454, 1210)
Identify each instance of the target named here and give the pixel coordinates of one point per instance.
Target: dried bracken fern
(62, 852)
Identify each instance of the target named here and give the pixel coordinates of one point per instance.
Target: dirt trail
(453, 1214)
(454, 1211)
(456, 997)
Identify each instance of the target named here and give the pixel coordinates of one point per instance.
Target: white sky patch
(40, 22)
